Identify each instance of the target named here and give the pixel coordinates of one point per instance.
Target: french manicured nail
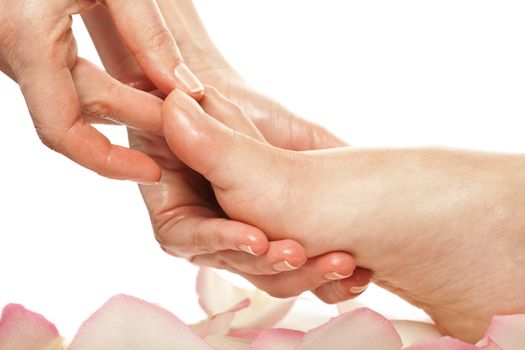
(188, 80)
(283, 266)
(358, 289)
(147, 183)
(247, 248)
(333, 276)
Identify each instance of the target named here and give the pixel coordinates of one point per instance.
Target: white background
(379, 73)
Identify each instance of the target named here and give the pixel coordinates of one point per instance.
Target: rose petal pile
(238, 319)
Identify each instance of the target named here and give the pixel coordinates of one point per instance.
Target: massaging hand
(184, 211)
(190, 223)
(64, 93)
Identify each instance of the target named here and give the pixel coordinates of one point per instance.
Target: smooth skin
(442, 229)
(184, 212)
(38, 51)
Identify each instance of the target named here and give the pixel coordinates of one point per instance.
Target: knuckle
(50, 140)
(221, 262)
(45, 138)
(102, 165)
(160, 222)
(159, 39)
(167, 223)
(198, 242)
(171, 222)
(95, 106)
(54, 138)
(333, 292)
(211, 237)
(220, 239)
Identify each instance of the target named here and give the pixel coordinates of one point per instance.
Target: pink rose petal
(220, 324)
(448, 343)
(277, 339)
(21, 329)
(216, 295)
(508, 331)
(359, 329)
(248, 334)
(128, 323)
(488, 344)
(223, 342)
(414, 331)
(348, 305)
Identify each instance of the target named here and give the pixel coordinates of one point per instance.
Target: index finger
(143, 30)
(54, 105)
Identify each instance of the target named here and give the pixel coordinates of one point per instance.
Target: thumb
(224, 156)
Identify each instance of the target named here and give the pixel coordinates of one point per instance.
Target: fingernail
(284, 265)
(147, 183)
(247, 248)
(185, 102)
(188, 80)
(358, 289)
(333, 276)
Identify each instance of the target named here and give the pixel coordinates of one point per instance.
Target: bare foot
(442, 229)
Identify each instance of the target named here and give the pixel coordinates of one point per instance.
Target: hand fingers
(115, 56)
(42, 67)
(284, 255)
(183, 209)
(284, 130)
(348, 288)
(176, 15)
(104, 97)
(199, 234)
(52, 99)
(143, 30)
(316, 272)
